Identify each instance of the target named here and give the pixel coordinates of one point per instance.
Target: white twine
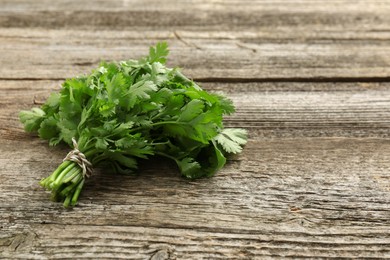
(78, 157)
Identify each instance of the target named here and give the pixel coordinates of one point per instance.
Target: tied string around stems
(78, 157)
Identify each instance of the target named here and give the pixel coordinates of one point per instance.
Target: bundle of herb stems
(129, 110)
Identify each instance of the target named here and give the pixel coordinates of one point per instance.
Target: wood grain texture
(54, 54)
(301, 198)
(311, 83)
(59, 55)
(275, 199)
(259, 40)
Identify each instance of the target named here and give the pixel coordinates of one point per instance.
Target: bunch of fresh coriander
(129, 110)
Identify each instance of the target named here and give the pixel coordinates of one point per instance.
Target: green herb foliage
(134, 109)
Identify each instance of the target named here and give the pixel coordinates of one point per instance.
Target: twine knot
(78, 157)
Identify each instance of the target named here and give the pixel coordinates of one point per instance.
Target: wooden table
(311, 82)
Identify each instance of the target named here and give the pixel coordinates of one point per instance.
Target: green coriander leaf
(216, 162)
(140, 91)
(159, 73)
(107, 109)
(115, 88)
(134, 146)
(173, 105)
(203, 163)
(231, 139)
(68, 129)
(140, 121)
(48, 128)
(32, 119)
(123, 160)
(158, 53)
(53, 100)
(101, 144)
(189, 167)
(226, 104)
(193, 109)
(54, 141)
(122, 128)
(162, 96)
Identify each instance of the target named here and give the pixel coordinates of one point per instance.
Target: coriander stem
(160, 143)
(68, 189)
(70, 177)
(76, 194)
(58, 180)
(67, 201)
(157, 124)
(168, 122)
(166, 155)
(60, 168)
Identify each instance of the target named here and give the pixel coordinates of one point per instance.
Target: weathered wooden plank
(174, 14)
(145, 243)
(338, 6)
(285, 197)
(58, 55)
(266, 109)
(259, 40)
(297, 197)
(43, 54)
(312, 182)
(257, 206)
